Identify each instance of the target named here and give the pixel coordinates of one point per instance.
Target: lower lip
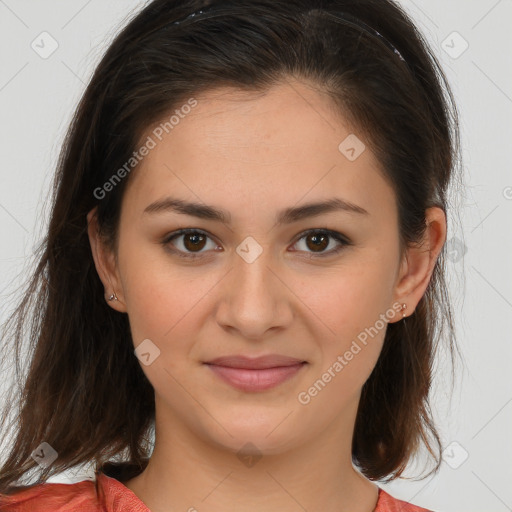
(256, 380)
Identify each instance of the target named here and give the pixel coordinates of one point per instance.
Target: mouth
(255, 374)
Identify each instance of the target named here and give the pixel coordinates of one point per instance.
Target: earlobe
(419, 261)
(105, 263)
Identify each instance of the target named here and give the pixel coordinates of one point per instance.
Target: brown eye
(317, 241)
(193, 241)
(188, 243)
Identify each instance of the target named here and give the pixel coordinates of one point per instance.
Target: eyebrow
(286, 216)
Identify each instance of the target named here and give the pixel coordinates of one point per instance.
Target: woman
(245, 253)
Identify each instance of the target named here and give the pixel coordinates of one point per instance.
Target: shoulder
(386, 503)
(54, 497)
(105, 494)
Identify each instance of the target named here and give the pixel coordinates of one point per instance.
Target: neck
(188, 473)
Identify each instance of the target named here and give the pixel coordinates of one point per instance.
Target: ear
(419, 261)
(106, 264)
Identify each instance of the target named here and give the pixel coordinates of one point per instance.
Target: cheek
(164, 305)
(156, 295)
(351, 306)
(348, 298)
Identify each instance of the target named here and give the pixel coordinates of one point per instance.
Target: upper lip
(255, 363)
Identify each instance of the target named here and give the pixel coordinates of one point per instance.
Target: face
(271, 277)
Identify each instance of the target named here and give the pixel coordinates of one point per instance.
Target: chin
(264, 435)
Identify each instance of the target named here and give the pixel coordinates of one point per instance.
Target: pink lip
(256, 374)
(255, 363)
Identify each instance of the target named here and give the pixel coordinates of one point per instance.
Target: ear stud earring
(404, 306)
(113, 297)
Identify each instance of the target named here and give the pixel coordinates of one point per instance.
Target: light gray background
(38, 95)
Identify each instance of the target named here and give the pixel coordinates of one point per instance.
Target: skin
(253, 155)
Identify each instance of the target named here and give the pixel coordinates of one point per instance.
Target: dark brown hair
(84, 392)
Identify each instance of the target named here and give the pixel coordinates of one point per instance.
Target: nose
(254, 299)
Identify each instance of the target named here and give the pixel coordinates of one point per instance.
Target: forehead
(270, 147)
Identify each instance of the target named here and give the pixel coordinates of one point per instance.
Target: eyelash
(344, 241)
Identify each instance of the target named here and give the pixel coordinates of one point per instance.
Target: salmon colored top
(116, 497)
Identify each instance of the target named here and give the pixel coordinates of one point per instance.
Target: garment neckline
(120, 485)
